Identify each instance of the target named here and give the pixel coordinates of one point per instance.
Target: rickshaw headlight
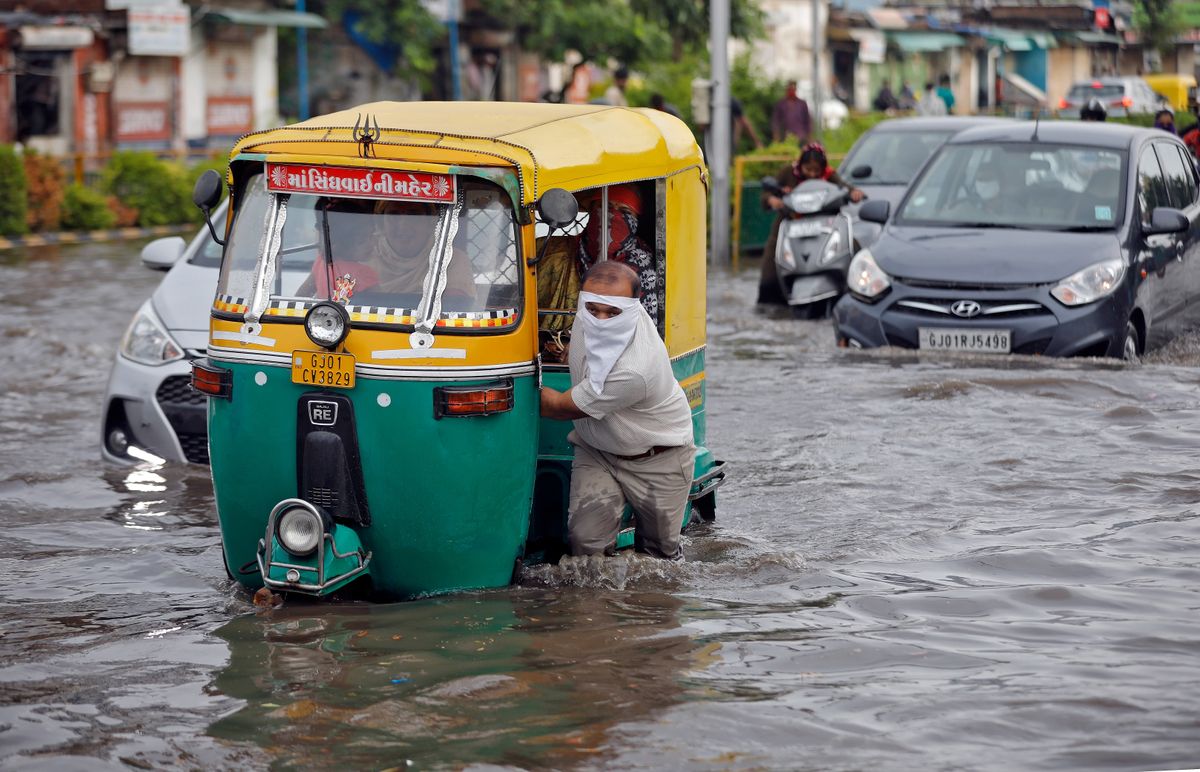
(300, 531)
(327, 324)
(147, 342)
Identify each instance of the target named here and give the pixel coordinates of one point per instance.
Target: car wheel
(1131, 343)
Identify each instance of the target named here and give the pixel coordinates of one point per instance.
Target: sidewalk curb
(82, 237)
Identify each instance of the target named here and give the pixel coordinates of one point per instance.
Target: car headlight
(1090, 284)
(865, 278)
(147, 341)
(300, 531)
(833, 247)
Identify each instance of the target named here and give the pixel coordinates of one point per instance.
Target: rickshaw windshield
(400, 257)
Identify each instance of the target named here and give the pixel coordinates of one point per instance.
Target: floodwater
(918, 563)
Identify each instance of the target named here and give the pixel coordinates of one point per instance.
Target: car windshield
(375, 253)
(1089, 90)
(891, 157)
(1034, 185)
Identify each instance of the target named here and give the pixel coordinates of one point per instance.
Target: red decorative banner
(361, 183)
(143, 121)
(229, 116)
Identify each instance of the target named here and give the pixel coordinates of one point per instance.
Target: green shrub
(45, 182)
(152, 187)
(12, 192)
(84, 209)
(187, 181)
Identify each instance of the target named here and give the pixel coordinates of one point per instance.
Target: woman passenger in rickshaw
(384, 259)
(568, 259)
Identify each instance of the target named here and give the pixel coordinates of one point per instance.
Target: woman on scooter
(812, 164)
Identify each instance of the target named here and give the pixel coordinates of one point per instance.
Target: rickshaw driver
(397, 258)
(633, 425)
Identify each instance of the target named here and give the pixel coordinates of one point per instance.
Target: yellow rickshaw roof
(567, 146)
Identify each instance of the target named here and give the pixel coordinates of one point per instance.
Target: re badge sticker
(1104, 213)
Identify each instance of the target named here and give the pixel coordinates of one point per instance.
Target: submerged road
(918, 563)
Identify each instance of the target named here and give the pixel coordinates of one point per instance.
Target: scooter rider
(812, 164)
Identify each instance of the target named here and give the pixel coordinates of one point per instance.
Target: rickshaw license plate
(321, 368)
(948, 339)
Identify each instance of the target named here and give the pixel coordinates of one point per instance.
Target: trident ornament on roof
(367, 135)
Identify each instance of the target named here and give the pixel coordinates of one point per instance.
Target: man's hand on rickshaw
(857, 195)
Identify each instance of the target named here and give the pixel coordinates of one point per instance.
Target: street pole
(302, 66)
(816, 69)
(452, 33)
(721, 129)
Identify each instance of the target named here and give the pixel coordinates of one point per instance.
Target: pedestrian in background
(791, 117)
(885, 100)
(615, 94)
(1165, 119)
(931, 104)
(658, 102)
(946, 93)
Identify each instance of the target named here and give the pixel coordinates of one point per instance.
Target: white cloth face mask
(605, 340)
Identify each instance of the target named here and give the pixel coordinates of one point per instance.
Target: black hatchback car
(1057, 238)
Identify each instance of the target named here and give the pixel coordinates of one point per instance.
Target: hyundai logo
(966, 308)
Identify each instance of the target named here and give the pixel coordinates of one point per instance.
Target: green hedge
(84, 209)
(154, 188)
(13, 192)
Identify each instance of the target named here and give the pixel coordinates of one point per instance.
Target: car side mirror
(206, 194)
(558, 208)
(861, 172)
(1164, 219)
(875, 211)
(161, 254)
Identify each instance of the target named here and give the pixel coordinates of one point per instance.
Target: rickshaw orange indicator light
(211, 380)
(486, 399)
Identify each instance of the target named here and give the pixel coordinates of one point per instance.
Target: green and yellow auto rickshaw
(376, 340)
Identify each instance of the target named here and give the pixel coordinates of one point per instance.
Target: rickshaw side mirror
(861, 172)
(207, 194)
(558, 208)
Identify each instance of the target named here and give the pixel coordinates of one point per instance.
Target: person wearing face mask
(632, 422)
(383, 247)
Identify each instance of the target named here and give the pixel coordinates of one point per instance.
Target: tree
(403, 32)
(1157, 21)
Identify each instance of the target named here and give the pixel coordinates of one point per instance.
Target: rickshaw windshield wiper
(329, 270)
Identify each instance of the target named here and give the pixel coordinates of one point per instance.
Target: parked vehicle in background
(1122, 95)
(1063, 239)
(1178, 90)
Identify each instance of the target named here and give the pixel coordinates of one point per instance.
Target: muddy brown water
(918, 563)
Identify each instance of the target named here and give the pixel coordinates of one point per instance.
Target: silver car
(1120, 95)
(150, 409)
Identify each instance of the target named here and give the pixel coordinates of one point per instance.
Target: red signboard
(229, 116)
(143, 121)
(361, 183)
